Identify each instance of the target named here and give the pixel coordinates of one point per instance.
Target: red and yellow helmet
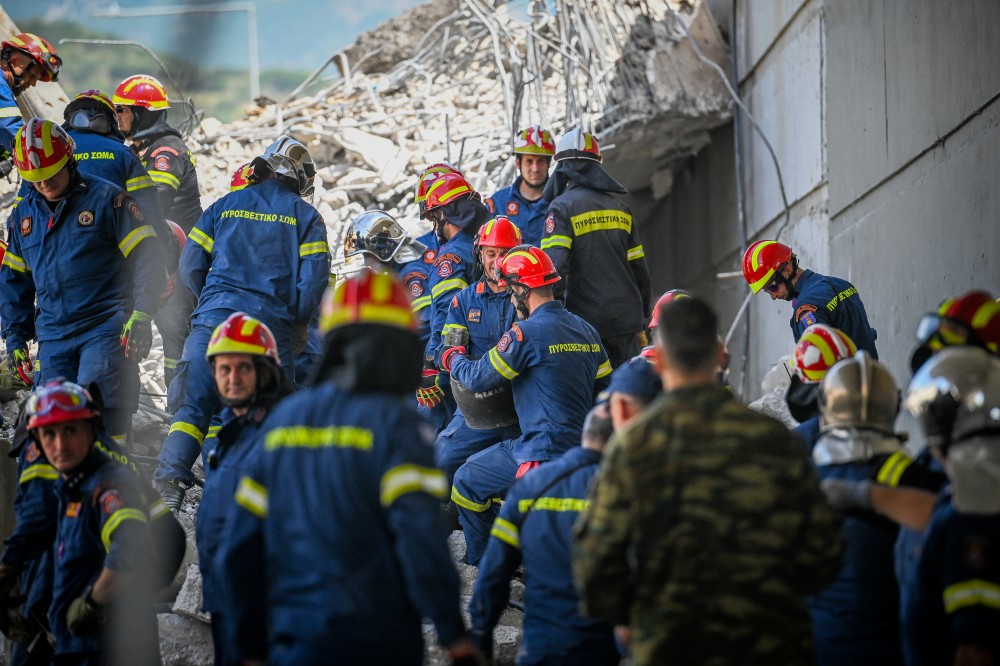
(241, 177)
(91, 99)
(762, 260)
(445, 189)
(819, 348)
(428, 176)
(142, 90)
(534, 140)
(499, 232)
(368, 297)
(667, 297)
(528, 266)
(40, 50)
(578, 145)
(59, 401)
(41, 149)
(970, 319)
(243, 334)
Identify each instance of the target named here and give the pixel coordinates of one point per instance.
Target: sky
(292, 34)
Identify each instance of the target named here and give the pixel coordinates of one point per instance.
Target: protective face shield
(858, 392)
(291, 161)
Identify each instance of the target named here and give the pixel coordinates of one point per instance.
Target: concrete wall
(884, 117)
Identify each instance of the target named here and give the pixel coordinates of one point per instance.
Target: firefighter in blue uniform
(91, 325)
(556, 364)
(457, 212)
(25, 59)
(523, 201)
(101, 611)
(952, 608)
(379, 243)
(281, 285)
(593, 241)
(772, 267)
(340, 564)
(479, 314)
(249, 380)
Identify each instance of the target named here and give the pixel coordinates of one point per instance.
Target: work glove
(84, 615)
(527, 467)
(430, 394)
(469, 653)
(846, 495)
(172, 492)
(448, 357)
(137, 336)
(22, 363)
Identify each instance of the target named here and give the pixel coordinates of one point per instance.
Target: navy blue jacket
(484, 314)
(556, 364)
(86, 260)
(415, 275)
(453, 271)
(835, 302)
(528, 216)
(260, 250)
(10, 115)
(535, 526)
(954, 598)
(171, 166)
(339, 524)
(102, 523)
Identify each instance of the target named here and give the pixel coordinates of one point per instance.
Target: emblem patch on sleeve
(445, 268)
(550, 224)
(416, 290)
(805, 315)
(504, 342)
(25, 226)
(110, 502)
(136, 212)
(161, 163)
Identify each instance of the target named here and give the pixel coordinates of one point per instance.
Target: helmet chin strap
(520, 300)
(793, 293)
(239, 403)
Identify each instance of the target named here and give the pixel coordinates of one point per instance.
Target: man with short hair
(634, 385)
(524, 202)
(707, 528)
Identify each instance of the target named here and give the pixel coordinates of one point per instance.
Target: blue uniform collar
(515, 192)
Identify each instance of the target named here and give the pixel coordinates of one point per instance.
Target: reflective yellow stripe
(418, 304)
(38, 471)
(893, 468)
(500, 365)
(601, 220)
(135, 237)
(187, 429)
(755, 287)
(317, 247)
(306, 437)
(138, 183)
(170, 363)
(448, 285)
(604, 369)
(116, 519)
(507, 532)
(404, 479)
(466, 503)
(213, 431)
(559, 504)
(165, 178)
(453, 327)
(557, 241)
(10, 112)
(976, 592)
(203, 239)
(14, 262)
(158, 509)
(252, 496)
(636, 253)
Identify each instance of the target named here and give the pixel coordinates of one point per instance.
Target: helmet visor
(63, 396)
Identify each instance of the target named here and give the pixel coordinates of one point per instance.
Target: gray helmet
(858, 392)
(956, 394)
(290, 160)
(377, 233)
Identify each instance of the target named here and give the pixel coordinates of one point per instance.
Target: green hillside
(221, 93)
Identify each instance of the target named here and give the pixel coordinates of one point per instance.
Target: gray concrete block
(184, 642)
(188, 601)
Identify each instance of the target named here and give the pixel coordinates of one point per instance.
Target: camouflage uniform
(725, 518)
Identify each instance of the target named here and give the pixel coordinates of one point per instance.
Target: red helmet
(666, 298)
(762, 260)
(241, 177)
(534, 140)
(971, 319)
(59, 401)
(142, 90)
(528, 266)
(499, 232)
(447, 188)
(242, 334)
(367, 297)
(819, 348)
(91, 110)
(428, 176)
(40, 50)
(41, 150)
(578, 145)
(178, 232)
